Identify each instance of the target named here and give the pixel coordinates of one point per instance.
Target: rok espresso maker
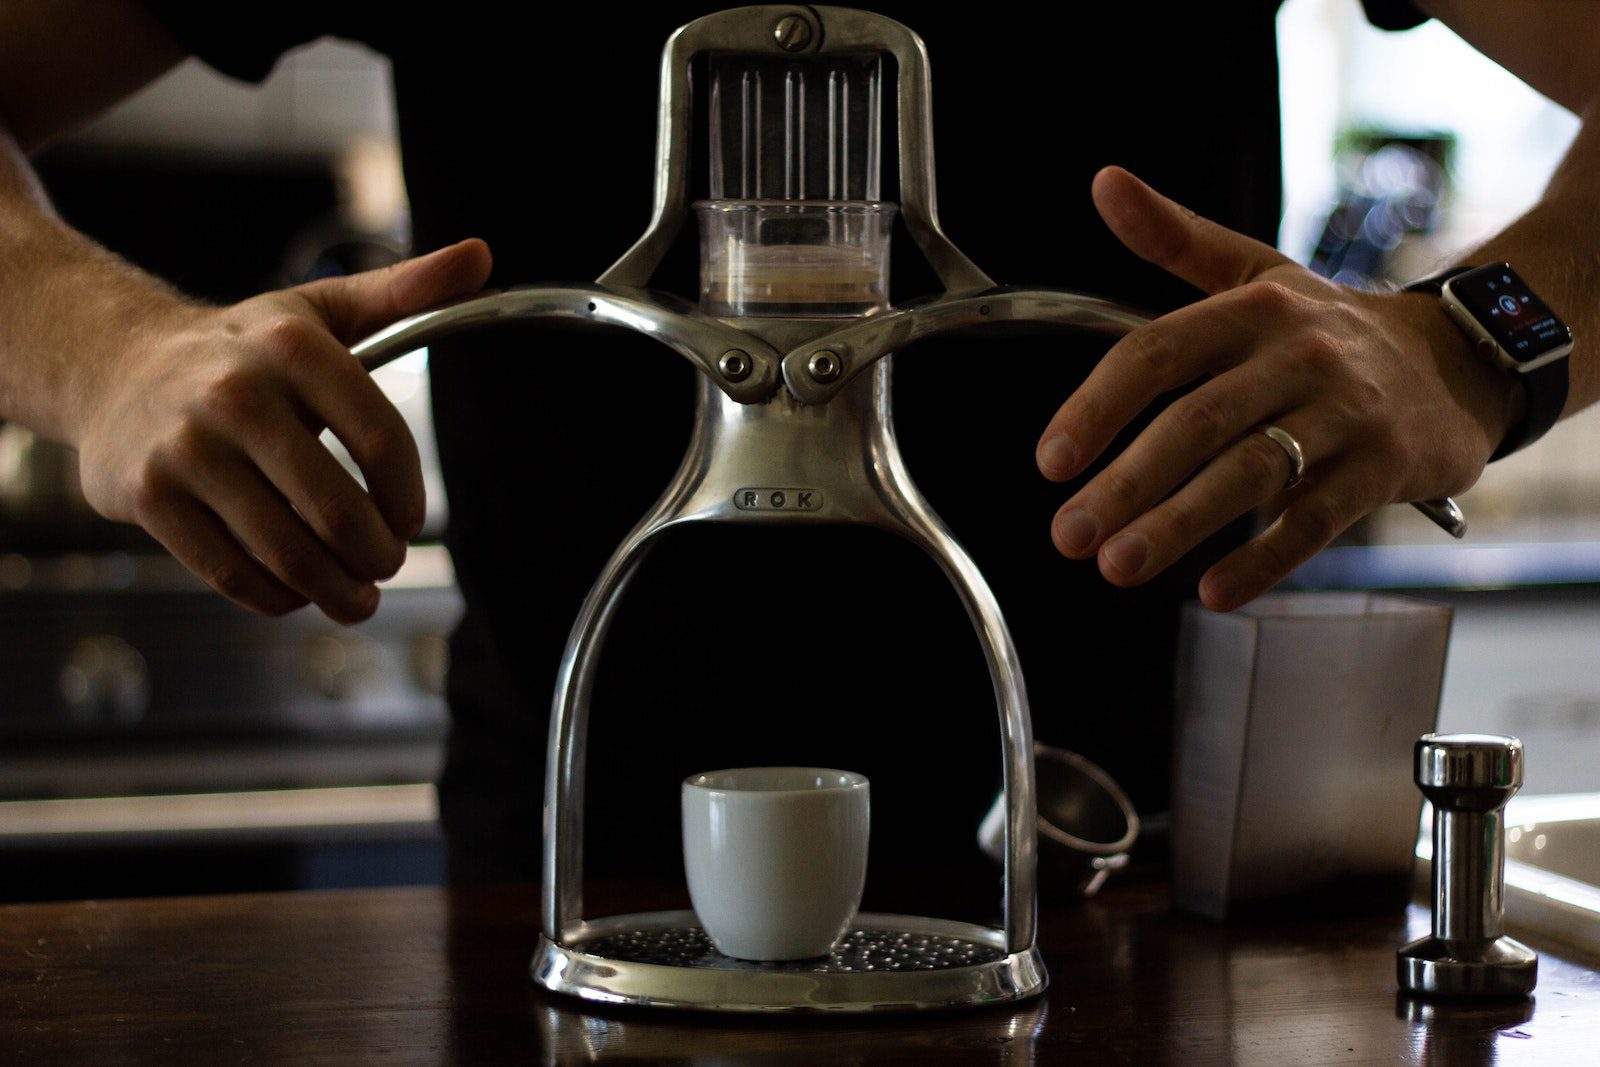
(792, 338)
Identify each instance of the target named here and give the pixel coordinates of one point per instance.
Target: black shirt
(538, 135)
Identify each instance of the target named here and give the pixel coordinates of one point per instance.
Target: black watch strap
(1545, 387)
(1546, 391)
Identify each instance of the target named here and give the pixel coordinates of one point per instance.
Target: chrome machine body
(793, 426)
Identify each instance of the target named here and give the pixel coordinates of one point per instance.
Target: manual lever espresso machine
(792, 337)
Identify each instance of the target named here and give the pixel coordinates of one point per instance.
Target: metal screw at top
(734, 365)
(792, 32)
(824, 366)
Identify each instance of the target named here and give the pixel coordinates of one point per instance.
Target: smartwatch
(1513, 329)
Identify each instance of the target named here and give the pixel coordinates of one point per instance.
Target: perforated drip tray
(870, 949)
(884, 963)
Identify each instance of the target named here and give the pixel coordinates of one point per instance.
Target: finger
(1156, 229)
(265, 524)
(1205, 337)
(1247, 474)
(341, 395)
(1180, 440)
(199, 540)
(1315, 515)
(333, 503)
(357, 305)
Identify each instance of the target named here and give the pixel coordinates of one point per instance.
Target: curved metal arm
(916, 521)
(865, 341)
(677, 325)
(565, 765)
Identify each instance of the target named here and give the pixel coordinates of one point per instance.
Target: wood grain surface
(440, 976)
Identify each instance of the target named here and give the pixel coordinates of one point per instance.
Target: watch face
(1517, 319)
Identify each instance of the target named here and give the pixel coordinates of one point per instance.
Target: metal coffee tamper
(1468, 778)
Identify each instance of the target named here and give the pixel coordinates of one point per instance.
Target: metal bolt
(792, 32)
(734, 365)
(824, 366)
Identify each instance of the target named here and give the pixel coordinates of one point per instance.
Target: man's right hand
(203, 429)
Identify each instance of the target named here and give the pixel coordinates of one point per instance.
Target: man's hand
(1385, 396)
(204, 429)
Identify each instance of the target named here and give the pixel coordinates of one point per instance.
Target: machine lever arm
(865, 341)
(704, 341)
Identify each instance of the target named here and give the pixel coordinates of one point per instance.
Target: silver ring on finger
(1292, 449)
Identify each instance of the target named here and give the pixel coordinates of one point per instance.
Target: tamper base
(1433, 967)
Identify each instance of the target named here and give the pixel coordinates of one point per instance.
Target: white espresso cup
(776, 857)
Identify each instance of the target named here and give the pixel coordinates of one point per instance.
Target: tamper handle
(1474, 762)
(1468, 778)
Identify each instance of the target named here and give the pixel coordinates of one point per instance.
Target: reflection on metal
(1555, 890)
(1446, 514)
(568, 1033)
(883, 963)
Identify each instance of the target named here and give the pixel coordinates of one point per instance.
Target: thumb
(1177, 240)
(356, 305)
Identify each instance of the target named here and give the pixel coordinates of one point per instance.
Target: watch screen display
(1502, 302)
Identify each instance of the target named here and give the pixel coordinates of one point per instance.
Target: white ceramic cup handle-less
(776, 857)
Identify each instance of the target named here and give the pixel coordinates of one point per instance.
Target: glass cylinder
(794, 226)
(794, 257)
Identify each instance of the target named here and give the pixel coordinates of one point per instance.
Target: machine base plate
(882, 963)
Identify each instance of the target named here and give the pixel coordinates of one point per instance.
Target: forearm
(1556, 246)
(199, 423)
(1553, 46)
(67, 306)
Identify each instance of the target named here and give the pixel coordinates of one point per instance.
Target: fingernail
(1219, 590)
(1077, 529)
(1058, 455)
(1127, 554)
(366, 601)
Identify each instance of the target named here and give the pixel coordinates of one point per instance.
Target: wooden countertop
(434, 975)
